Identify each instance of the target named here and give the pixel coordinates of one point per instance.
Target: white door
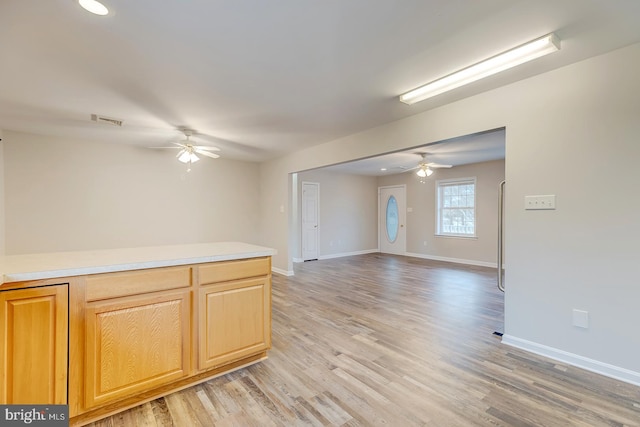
(310, 208)
(392, 234)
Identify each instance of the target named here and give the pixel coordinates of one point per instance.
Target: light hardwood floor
(387, 340)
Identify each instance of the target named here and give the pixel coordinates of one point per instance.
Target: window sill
(457, 236)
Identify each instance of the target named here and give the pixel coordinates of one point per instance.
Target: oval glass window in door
(392, 219)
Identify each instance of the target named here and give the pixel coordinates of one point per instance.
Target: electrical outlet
(581, 318)
(540, 202)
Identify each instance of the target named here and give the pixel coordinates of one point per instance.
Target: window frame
(440, 185)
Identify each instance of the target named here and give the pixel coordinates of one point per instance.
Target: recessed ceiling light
(94, 6)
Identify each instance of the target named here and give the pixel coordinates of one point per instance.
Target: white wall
(421, 222)
(576, 135)
(276, 228)
(572, 132)
(348, 212)
(76, 195)
(2, 209)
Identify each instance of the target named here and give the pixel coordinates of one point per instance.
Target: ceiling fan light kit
(186, 157)
(503, 61)
(188, 153)
(424, 171)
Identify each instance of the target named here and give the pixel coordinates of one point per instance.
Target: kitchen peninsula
(106, 330)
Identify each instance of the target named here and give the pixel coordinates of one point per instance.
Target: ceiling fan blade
(162, 148)
(207, 154)
(206, 147)
(437, 165)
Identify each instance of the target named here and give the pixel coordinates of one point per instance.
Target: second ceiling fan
(425, 168)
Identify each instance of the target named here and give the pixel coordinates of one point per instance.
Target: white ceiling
(262, 78)
(481, 147)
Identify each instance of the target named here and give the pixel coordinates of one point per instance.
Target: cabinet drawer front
(111, 285)
(233, 270)
(135, 344)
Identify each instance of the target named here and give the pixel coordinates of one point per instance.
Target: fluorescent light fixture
(94, 6)
(516, 56)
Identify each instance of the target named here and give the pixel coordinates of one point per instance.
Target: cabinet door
(134, 344)
(235, 321)
(33, 341)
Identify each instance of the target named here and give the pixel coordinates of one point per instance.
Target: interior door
(392, 236)
(310, 208)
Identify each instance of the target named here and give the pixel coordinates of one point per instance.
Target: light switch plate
(540, 202)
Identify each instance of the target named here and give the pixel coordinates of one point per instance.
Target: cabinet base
(130, 402)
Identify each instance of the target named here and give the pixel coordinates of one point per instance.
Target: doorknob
(401, 225)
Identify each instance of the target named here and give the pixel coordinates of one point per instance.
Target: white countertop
(18, 268)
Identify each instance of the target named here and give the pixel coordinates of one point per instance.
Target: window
(392, 219)
(456, 207)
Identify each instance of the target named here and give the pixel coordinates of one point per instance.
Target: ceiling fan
(188, 151)
(425, 168)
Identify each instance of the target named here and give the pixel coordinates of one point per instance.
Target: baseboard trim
(578, 361)
(343, 254)
(340, 255)
(415, 255)
(410, 254)
(321, 257)
(455, 260)
(281, 271)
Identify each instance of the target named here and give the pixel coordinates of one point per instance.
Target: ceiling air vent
(106, 120)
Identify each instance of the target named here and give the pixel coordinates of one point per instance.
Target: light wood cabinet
(113, 285)
(225, 271)
(102, 343)
(235, 320)
(33, 345)
(134, 344)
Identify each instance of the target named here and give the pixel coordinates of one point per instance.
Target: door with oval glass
(392, 233)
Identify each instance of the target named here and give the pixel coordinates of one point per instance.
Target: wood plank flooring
(386, 340)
